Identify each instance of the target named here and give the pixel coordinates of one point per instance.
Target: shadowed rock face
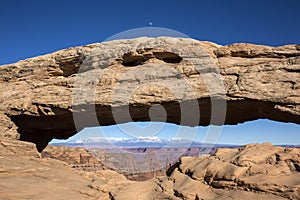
(197, 83)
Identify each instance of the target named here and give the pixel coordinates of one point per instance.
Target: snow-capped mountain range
(142, 141)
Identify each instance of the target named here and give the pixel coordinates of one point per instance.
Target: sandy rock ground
(260, 171)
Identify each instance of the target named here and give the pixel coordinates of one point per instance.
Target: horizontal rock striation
(177, 80)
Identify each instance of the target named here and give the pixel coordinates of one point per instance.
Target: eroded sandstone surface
(260, 171)
(56, 95)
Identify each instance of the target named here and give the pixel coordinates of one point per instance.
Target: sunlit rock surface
(56, 95)
(260, 171)
(119, 81)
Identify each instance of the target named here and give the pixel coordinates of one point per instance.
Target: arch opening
(42, 129)
(147, 151)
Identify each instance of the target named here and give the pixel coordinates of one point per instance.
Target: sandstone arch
(36, 95)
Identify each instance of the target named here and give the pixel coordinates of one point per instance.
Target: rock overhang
(40, 95)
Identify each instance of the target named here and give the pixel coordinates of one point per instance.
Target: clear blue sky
(34, 27)
(257, 131)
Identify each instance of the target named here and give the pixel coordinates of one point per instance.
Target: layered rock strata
(177, 80)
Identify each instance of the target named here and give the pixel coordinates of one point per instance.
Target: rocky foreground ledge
(256, 171)
(244, 81)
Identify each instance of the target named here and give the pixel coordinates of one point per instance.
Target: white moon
(150, 23)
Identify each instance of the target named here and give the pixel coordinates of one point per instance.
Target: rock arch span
(259, 82)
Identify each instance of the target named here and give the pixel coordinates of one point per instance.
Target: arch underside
(42, 129)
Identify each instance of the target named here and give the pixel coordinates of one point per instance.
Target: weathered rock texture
(257, 171)
(40, 95)
(76, 157)
(264, 169)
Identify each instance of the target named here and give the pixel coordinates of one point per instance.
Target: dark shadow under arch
(42, 129)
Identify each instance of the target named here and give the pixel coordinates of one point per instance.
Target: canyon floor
(260, 171)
